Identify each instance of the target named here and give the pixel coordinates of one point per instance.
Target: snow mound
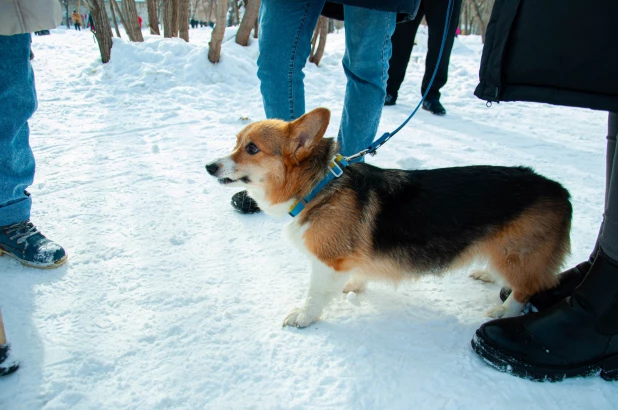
(167, 63)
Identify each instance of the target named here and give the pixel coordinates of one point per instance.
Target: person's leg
(365, 62)
(608, 240)
(403, 43)
(435, 13)
(577, 336)
(285, 27)
(18, 237)
(18, 99)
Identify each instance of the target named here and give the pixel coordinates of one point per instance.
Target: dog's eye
(252, 149)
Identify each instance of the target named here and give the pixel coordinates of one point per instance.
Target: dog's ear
(306, 132)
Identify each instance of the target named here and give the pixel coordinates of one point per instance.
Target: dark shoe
(567, 282)
(434, 107)
(24, 242)
(390, 100)
(576, 337)
(244, 204)
(6, 366)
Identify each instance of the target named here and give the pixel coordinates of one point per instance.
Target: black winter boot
(243, 203)
(567, 282)
(576, 337)
(434, 107)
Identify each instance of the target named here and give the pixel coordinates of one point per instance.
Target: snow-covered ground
(171, 300)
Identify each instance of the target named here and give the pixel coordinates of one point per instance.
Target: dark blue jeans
(17, 104)
(286, 27)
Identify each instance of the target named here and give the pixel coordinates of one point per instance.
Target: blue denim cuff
(15, 212)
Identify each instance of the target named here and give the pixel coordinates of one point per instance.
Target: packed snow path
(171, 300)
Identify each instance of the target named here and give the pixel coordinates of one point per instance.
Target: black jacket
(406, 9)
(562, 52)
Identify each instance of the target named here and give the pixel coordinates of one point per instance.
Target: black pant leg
(403, 42)
(609, 235)
(435, 12)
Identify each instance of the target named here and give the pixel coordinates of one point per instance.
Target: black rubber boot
(567, 282)
(434, 107)
(244, 204)
(6, 366)
(576, 337)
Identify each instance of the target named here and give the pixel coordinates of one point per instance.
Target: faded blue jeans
(17, 104)
(286, 27)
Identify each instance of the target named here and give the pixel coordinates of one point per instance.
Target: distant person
(139, 19)
(91, 23)
(434, 12)
(77, 20)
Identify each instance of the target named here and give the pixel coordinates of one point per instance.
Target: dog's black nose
(212, 168)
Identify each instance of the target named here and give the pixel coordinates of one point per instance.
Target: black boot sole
(607, 367)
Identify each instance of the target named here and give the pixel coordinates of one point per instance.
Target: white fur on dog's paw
(482, 276)
(497, 312)
(299, 317)
(502, 311)
(355, 285)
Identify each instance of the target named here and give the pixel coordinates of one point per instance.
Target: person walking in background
(139, 20)
(434, 12)
(286, 28)
(77, 20)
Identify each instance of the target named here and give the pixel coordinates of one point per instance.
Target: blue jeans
(18, 103)
(286, 27)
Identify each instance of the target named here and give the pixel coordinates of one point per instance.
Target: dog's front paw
(503, 311)
(299, 317)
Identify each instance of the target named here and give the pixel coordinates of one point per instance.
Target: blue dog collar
(337, 165)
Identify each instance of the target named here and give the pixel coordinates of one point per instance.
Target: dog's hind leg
(324, 284)
(529, 252)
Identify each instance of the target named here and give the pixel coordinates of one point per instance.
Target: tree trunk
(479, 19)
(236, 12)
(214, 46)
(252, 7)
(153, 20)
(256, 26)
(321, 31)
(183, 20)
(103, 31)
(114, 20)
(112, 3)
(130, 14)
(170, 14)
(175, 18)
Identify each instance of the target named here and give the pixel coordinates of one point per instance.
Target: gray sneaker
(24, 242)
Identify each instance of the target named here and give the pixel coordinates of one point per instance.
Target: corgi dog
(371, 224)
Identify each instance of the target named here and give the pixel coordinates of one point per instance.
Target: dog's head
(275, 160)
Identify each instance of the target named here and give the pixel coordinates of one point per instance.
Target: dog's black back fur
(431, 216)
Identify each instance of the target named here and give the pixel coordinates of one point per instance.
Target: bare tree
(130, 13)
(175, 19)
(115, 21)
(317, 46)
(153, 19)
(183, 20)
(103, 31)
(214, 46)
(252, 7)
(170, 19)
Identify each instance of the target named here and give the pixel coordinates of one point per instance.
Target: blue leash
(371, 149)
(339, 163)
